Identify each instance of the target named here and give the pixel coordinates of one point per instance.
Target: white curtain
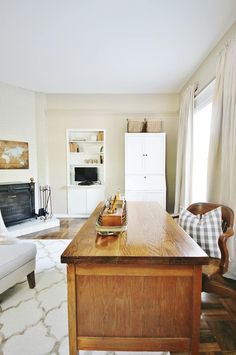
(183, 189)
(222, 151)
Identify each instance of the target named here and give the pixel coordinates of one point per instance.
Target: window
(201, 138)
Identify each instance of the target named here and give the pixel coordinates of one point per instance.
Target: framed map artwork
(14, 155)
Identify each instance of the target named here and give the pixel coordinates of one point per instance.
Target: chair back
(212, 275)
(204, 207)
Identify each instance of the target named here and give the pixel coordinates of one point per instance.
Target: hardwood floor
(67, 230)
(218, 326)
(218, 315)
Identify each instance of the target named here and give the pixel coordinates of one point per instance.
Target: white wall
(17, 123)
(107, 112)
(42, 139)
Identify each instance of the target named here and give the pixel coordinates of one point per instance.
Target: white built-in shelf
(87, 153)
(77, 141)
(85, 162)
(86, 186)
(87, 165)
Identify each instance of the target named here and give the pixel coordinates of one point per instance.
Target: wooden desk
(136, 292)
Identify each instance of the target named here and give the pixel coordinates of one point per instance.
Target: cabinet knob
(145, 177)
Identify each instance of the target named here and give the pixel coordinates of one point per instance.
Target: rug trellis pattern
(34, 321)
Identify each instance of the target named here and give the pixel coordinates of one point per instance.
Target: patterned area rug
(34, 321)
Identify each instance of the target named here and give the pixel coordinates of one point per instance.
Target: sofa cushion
(13, 256)
(205, 229)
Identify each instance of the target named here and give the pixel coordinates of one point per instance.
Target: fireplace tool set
(45, 211)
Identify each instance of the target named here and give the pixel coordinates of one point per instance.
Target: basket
(154, 126)
(136, 126)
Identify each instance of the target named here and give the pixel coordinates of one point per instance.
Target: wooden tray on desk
(117, 217)
(112, 229)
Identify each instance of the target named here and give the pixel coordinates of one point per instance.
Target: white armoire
(145, 167)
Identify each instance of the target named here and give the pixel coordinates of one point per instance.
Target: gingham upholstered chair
(213, 280)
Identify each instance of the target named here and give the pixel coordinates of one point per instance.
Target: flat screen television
(84, 174)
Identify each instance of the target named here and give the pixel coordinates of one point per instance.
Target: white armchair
(17, 260)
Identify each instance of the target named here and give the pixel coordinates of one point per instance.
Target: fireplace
(17, 202)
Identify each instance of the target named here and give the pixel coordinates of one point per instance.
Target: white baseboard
(61, 215)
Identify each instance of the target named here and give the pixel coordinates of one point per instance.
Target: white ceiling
(108, 46)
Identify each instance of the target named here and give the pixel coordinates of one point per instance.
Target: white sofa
(17, 260)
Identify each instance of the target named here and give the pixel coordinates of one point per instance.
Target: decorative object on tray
(144, 126)
(113, 218)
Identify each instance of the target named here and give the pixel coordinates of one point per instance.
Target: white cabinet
(83, 200)
(144, 182)
(94, 196)
(85, 170)
(145, 167)
(157, 196)
(77, 201)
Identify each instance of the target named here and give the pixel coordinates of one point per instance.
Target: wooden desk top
(152, 237)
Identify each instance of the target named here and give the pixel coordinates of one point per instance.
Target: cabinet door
(77, 201)
(133, 196)
(144, 182)
(154, 154)
(134, 156)
(156, 196)
(94, 196)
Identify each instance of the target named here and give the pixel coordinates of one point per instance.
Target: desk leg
(72, 309)
(197, 288)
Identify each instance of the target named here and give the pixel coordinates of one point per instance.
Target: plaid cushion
(204, 229)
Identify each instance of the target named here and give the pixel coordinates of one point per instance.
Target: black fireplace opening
(17, 202)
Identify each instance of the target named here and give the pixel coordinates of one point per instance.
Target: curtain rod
(196, 92)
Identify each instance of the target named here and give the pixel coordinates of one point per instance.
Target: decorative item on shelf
(100, 136)
(93, 137)
(73, 147)
(91, 161)
(101, 156)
